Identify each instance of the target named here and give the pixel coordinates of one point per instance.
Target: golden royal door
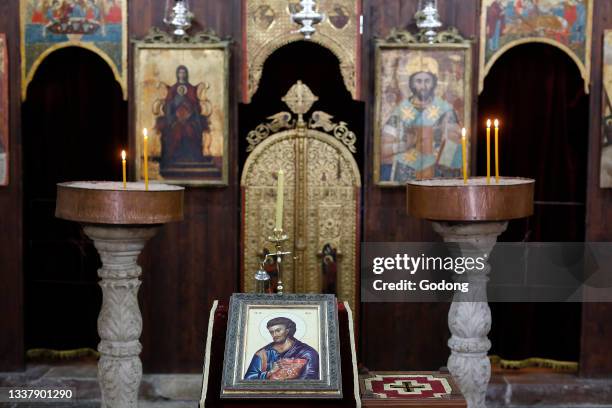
(322, 199)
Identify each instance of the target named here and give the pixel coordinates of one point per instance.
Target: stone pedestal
(470, 216)
(469, 317)
(119, 220)
(120, 321)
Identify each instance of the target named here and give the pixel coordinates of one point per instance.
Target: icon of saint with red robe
(182, 126)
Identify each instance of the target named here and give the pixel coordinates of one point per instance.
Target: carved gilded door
(322, 198)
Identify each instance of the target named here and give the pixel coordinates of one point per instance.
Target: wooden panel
(189, 264)
(62, 125)
(11, 283)
(417, 332)
(595, 358)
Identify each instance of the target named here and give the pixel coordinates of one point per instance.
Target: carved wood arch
(322, 201)
(347, 62)
(268, 27)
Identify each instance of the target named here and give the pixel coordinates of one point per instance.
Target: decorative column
(469, 317)
(469, 217)
(120, 321)
(119, 220)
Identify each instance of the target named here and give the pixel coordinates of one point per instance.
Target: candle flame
(496, 123)
(488, 123)
(463, 133)
(123, 155)
(145, 132)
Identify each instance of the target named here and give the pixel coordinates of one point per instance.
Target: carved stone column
(469, 317)
(120, 321)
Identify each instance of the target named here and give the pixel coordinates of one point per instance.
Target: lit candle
(497, 151)
(146, 158)
(279, 200)
(488, 151)
(123, 168)
(464, 155)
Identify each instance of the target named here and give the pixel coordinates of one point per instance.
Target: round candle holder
(119, 221)
(470, 216)
(453, 200)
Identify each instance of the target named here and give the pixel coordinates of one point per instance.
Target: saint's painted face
(423, 85)
(279, 333)
(181, 74)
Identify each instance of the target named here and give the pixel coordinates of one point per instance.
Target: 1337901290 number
(16, 394)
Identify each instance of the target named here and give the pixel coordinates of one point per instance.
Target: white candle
(279, 200)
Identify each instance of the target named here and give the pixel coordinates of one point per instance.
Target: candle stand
(470, 216)
(119, 221)
(277, 238)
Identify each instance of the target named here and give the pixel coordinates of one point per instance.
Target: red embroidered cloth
(380, 389)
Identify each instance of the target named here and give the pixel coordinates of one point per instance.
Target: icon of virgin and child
(183, 121)
(285, 358)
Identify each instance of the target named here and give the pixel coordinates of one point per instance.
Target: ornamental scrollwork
(449, 36)
(159, 36)
(278, 122)
(300, 99)
(397, 36)
(319, 120)
(339, 130)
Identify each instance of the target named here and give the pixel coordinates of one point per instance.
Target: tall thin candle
(146, 157)
(464, 154)
(279, 201)
(123, 155)
(488, 151)
(497, 151)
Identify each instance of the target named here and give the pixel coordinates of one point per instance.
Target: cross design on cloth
(409, 387)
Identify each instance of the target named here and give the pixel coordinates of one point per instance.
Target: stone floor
(507, 389)
(540, 387)
(156, 390)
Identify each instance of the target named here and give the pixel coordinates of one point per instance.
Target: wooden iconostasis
(75, 121)
(75, 124)
(546, 119)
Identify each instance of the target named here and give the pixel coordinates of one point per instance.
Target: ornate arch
(322, 198)
(268, 27)
(42, 34)
(90, 47)
(541, 27)
(585, 69)
(347, 62)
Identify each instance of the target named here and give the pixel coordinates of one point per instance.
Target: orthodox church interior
(320, 105)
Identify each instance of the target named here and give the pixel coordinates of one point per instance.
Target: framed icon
(282, 346)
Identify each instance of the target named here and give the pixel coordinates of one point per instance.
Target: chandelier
(307, 18)
(428, 18)
(178, 16)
